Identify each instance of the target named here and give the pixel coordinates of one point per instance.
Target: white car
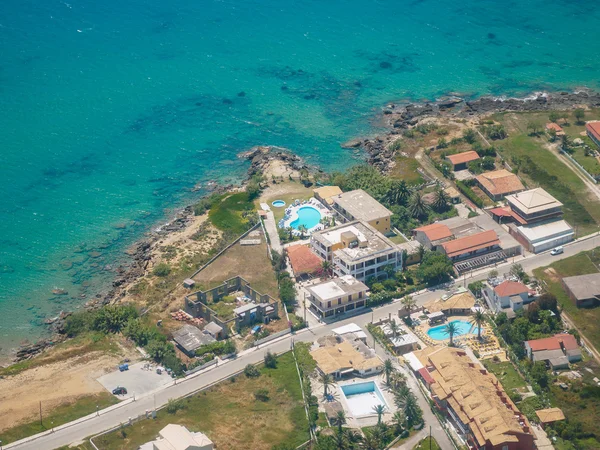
(557, 251)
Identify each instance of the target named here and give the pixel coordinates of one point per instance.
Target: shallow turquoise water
(439, 333)
(307, 216)
(113, 111)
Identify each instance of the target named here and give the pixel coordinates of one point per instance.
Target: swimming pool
(278, 203)
(361, 398)
(462, 327)
(307, 216)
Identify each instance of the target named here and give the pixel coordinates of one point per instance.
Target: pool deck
(271, 228)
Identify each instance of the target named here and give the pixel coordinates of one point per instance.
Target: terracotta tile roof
(500, 182)
(508, 288)
(327, 192)
(593, 128)
(303, 260)
(461, 300)
(554, 343)
(476, 396)
(471, 243)
(435, 231)
(550, 415)
(464, 157)
(342, 357)
(426, 375)
(554, 126)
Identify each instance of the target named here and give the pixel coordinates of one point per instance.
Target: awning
(426, 375)
(413, 361)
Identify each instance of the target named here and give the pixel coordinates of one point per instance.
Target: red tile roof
(460, 158)
(435, 231)
(553, 343)
(303, 260)
(426, 375)
(500, 182)
(471, 243)
(508, 288)
(593, 128)
(554, 126)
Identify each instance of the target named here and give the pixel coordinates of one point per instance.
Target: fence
(271, 337)
(199, 368)
(585, 172)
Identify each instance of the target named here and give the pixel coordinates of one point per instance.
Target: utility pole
(429, 437)
(304, 306)
(41, 422)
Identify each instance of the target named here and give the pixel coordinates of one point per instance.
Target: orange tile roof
(435, 231)
(553, 343)
(471, 243)
(508, 288)
(500, 182)
(554, 126)
(594, 129)
(464, 157)
(303, 260)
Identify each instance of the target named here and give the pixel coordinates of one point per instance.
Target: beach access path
(81, 429)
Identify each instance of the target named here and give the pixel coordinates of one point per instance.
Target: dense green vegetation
(234, 213)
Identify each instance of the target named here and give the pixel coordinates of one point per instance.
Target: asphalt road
(80, 431)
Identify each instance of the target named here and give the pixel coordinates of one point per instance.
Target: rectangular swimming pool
(361, 398)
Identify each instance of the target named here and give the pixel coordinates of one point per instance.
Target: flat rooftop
(361, 205)
(545, 230)
(337, 287)
(584, 286)
(191, 338)
(372, 241)
(533, 201)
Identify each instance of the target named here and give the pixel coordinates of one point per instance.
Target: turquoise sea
(112, 111)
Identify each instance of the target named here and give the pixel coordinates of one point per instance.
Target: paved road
(114, 417)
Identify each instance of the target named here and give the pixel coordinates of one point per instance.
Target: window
(339, 301)
(360, 294)
(505, 447)
(329, 304)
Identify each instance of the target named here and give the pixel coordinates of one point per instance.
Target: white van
(557, 251)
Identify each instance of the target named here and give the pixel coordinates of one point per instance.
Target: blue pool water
(307, 216)
(278, 203)
(360, 388)
(439, 333)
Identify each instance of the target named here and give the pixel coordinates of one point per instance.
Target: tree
(371, 441)
(339, 420)
(451, 329)
(409, 406)
(399, 420)
(478, 319)
(442, 143)
(302, 229)
(379, 410)
(327, 381)
(417, 206)
(565, 143)
(161, 270)
(388, 370)
(251, 371)
(393, 328)
(326, 267)
(399, 193)
(409, 303)
(435, 268)
(469, 135)
(441, 200)
(534, 127)
(579, 114)
(552, 134)
(553, 116)
(421, 252)
(270, 360)
(113, 318)
(540, 374)
(517, 271)
(492, 274)
(547, 301)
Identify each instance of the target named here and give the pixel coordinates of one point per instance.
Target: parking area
(140, 379)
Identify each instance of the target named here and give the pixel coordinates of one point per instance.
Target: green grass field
(226, 215)
(538, 166)
(507, 375)
(406, 169)
(230, 414)
(586, 319)
(589, 163)
(427, 444)
(60, 415)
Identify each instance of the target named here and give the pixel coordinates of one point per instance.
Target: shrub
(468, 192)
(161, 269)
(251, 371)
(270, 360)
(262, 395)
(174, 405)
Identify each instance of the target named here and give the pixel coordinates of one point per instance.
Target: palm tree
(451, 329)
(400, 420)
(379, 410)
(441, 200)
(478, 319)
(409, 303)
(352, 438)
(290, 231)
(398, 193)
(411, 410)
(339, 420)
(302, 229)
(327, 381)
(326, 267)
(421, 252)
(417, 207)
(370, 441)
(398, 380)
(388, 370)
(394, 328)
(340, 441)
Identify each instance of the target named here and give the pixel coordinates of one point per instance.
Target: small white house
(508, 294)
(178, 437)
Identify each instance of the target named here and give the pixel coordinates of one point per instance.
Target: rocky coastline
(398, 117)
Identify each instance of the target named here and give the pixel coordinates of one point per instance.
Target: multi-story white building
(357, 249)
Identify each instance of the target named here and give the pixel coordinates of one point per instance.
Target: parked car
(123, 367)
(119, 390)
(557, 251)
